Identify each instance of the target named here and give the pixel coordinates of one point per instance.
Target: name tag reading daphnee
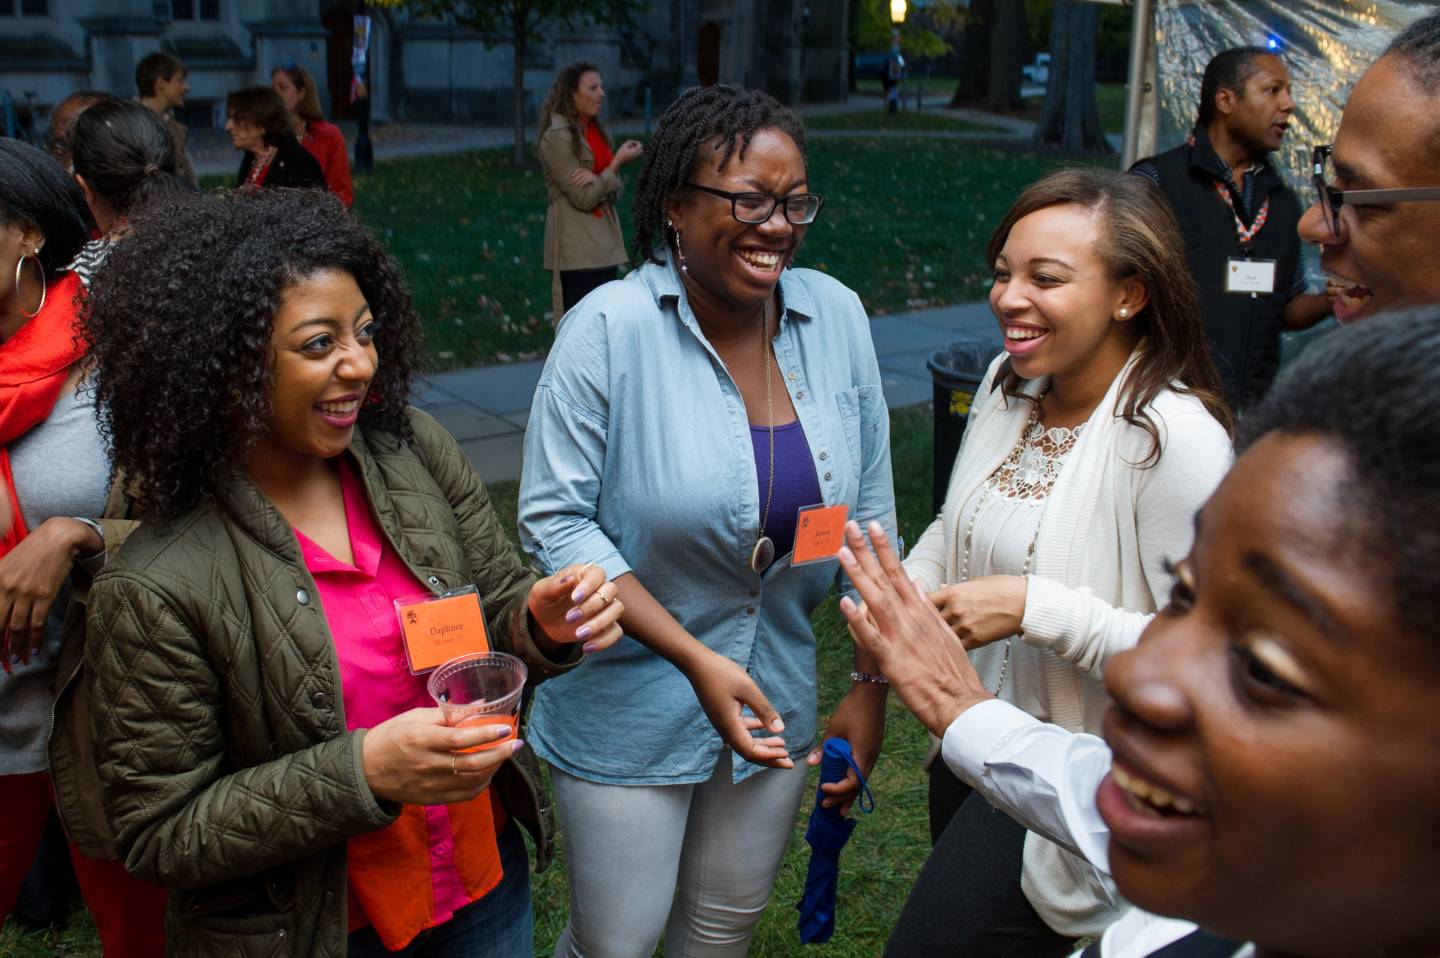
(437, 629)
(819, 533)
(1250, 276)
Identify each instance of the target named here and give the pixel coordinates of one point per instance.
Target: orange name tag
(438, 629)
(819, 533)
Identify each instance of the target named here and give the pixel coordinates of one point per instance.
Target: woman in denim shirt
(685, 413)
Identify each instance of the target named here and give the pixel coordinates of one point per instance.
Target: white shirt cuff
(977, 732)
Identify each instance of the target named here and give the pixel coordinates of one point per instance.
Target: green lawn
(909, 119)
(904, 224)
(883, 856)
(934, 86)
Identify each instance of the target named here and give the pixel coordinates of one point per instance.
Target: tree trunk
(1070, 119)
(518, 26)
(1007, 56)
(974, 44)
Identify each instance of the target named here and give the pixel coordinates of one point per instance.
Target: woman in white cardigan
(1092, 442)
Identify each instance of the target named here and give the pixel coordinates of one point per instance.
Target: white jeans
(694, 861)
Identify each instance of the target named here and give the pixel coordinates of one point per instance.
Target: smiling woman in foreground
(1268, 768)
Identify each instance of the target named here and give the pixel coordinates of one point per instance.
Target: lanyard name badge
(819, 533)
(1242, 273)
(438, 628)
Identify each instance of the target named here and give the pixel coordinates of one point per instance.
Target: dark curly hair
(180, 320)
(725, 116)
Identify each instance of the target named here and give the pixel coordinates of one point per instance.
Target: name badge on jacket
(1250, 276)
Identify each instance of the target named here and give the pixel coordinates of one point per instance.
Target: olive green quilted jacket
(225, 767)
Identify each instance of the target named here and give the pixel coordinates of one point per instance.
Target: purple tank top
(796, 484)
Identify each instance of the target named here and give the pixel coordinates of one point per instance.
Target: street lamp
(897, 12)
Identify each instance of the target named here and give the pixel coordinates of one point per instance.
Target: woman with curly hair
(53, 477)
(583, 243)
(323, 139)
(685, 416)
(259, 127)
(262, 747)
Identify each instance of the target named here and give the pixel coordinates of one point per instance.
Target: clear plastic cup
(482, 688)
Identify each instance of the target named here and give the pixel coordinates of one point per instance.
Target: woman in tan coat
(583, 242)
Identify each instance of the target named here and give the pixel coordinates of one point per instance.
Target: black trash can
(956, 371)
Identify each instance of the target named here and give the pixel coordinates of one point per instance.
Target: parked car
(1037, 72)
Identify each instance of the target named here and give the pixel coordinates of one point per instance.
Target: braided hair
(724, 116)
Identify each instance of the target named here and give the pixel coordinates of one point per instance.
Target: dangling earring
(20, 266)
(678, 251)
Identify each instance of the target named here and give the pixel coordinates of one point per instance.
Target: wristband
(867, 677)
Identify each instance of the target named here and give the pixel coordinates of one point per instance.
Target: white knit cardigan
(1098, 576)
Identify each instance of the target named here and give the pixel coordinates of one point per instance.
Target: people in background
(684, 417)
(62, 122)
(583, 242)
(1094, 438)
(324, 140)
(261, 129)
(54, 473)
(1238, 218)
(163, 82)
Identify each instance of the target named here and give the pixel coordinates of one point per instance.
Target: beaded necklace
(1023, 481)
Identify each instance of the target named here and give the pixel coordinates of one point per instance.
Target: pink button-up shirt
(376, 684)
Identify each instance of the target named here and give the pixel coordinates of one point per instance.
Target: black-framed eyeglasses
(752, 208)
(1332, 199)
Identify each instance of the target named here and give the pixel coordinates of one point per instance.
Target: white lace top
(1010, 504)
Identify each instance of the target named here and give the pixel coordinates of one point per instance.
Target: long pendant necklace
(764, 552)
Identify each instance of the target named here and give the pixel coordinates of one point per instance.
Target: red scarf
(603, 155)
(34, 364)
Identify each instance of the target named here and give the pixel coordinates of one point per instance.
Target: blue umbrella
(827, 834)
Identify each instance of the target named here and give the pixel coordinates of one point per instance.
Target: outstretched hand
(900, 626)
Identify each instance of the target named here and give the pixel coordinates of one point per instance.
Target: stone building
(420, 70)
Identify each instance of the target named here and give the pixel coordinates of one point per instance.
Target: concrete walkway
(486, 408)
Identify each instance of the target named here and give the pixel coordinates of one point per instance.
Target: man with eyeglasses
(1376, 216)
(1239, 218)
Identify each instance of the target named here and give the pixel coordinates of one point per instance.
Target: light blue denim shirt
(638, 458)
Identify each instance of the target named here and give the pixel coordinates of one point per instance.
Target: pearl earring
(1124, 313)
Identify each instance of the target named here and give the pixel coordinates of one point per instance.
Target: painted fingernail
(501, 731)
(517, 745)
(583, 632)
(578, 595)
(589, 647)
(573, 615)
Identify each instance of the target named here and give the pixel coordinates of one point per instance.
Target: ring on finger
(454, 768)
(607, 599)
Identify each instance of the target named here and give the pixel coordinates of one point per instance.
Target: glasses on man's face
(1331, 199)
(752, 208)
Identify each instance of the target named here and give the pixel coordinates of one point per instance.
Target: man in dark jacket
(1239, 218)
